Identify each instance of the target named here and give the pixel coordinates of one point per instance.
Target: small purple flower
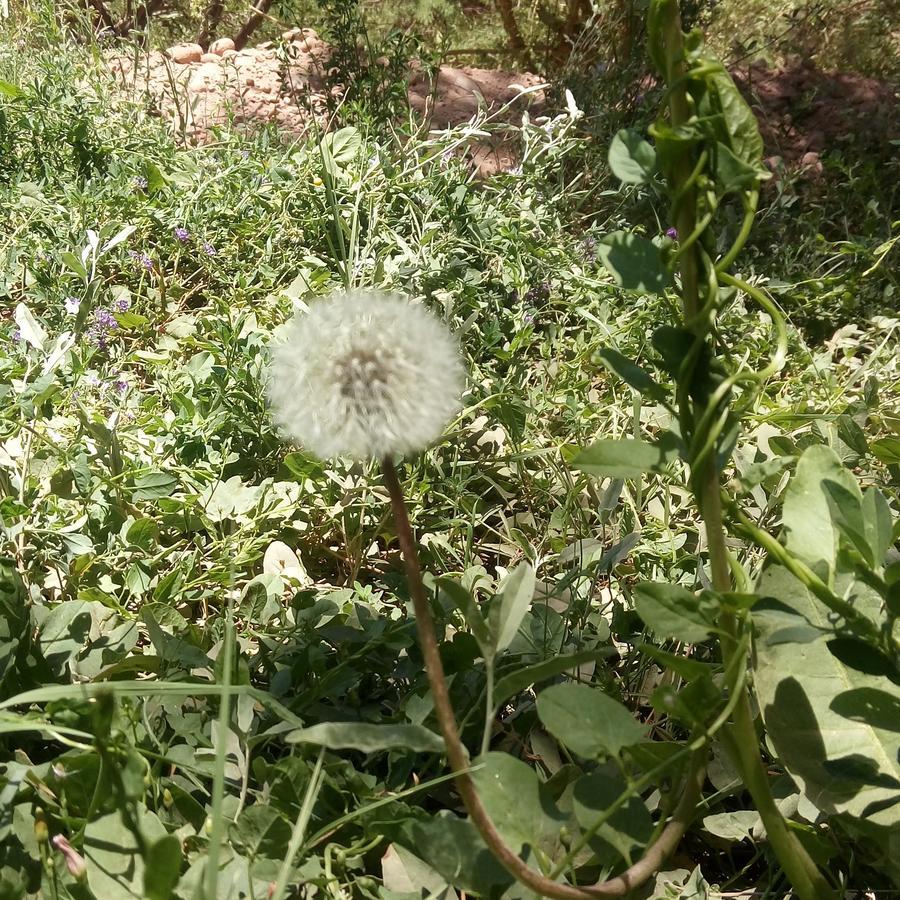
(103, 318)
(121, 385)
(123, 304)
(446, 158)
(672, 233)
(139, 182)
(16, 334)
(245, 154)
(146, 262)
(71, 305)
(209, 249)
(182, 234)
(92, 379)
(528, 318)
(589, 248)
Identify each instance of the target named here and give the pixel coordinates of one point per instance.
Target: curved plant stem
(807, 880)
(458, 757)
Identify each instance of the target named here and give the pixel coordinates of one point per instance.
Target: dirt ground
(287, 85)
(802, 110)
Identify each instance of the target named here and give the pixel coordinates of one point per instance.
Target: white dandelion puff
(365, 375)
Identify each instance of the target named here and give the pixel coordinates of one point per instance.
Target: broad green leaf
(740, 122)
(74, 263)
(468, 606)
(625, 457)
(453, 847)
(172, 648)
(508, 608)
(11, 90)
(733, 174)
(631, 158)
(115, 867)
(403, 871)
(845, 764)
(631, 373)
(260, 831)
(809, 530)
(876, 515)
(163, 868)
(153, 485)
(120, 236)
(587, 721)
(672, 611)
(635, 263)
(518, 681)
(519, 805)
(29, 327)
(732, 826)
(688, 669)
(339, 148)
(627, 830)
(368, 737)
(887, 450)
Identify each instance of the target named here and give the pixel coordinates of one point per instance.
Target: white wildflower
(365, 375)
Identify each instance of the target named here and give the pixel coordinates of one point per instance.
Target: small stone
(250, 82)
(185, 53)
(811, 164)
(221, 45)
(229, 54)
(210, 57)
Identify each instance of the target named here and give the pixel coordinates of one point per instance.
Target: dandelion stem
(458, 756)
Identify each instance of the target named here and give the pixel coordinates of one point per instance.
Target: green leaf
(887, 450)
(468, 606)
(518, 681)
(688, 669)
(519, 805)
(508, 608)
(587, 721)
(11, 90)
(74, 263)
(626, 457)
(809, 530)
(631, 373)
(115, 867)
(339, 148)
(631, 158)
(878, 523)
(806, 694)
(453, 847)
(30, 328)
(732, 826)
(672, 611)
(635, 263)
(163, 868)
(153, 485)
(733, 174)
(368, 737)
(740, 122)
(627, 830)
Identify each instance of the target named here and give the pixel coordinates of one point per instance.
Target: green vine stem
(459, 762)
(667, 43)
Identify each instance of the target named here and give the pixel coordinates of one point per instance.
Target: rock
(229, 54)
(811, 165)
(210, 57)
(185, 53)
(221, 45)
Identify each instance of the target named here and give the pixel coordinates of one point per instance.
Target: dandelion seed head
(365, 375)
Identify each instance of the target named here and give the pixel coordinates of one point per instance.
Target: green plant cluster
(210, 682)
